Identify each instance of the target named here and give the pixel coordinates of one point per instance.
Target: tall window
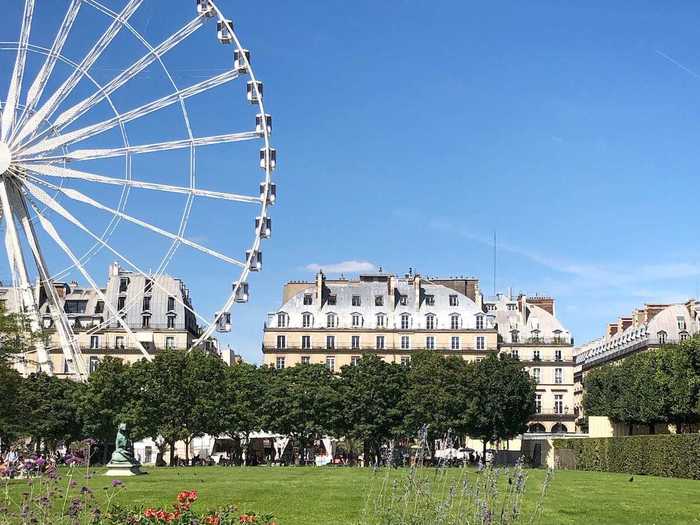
(683, 336)
(146, 303)
(514, 353)
(536, 355)
(557, 337)
(380, 342)
(355, 342)
(557, 355)
(430, 322)
(405, 342)
(480, 343)
(305, 342)
(170, 342)
(99, 307)
(454, 343)
(356, 320)
(454, 322)
(405, 360)
(430, 342)
(661, 336)
(378, 300)
(306, 320)
(279, 363)
(171, 321)
(171, 304)
(558, 376)
(538, 403)
(453, 300)
(308, 299)
(331, 320)
(405, 321)
(330, 342)
(94, 363)
(305, 360)
(123, 284)
(356, 301)
(558, 403)
(536, 375)
(479, 322)
(354, 359)
(94, 341)
(514, 336)
(145, 321)
(119, 342)
(681, 323)
(281, 341)
(330, 363)
(281, 320)
(430, 300)
(381, 320)
(121, 301)
(148, 286)
(332, 300)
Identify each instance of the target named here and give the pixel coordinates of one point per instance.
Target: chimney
(417, 289)
(320, 287)
(612, 329)
(625, 323)
(114, 269)
(546, 303)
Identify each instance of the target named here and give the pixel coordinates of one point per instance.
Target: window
(558, 376)
(279, 363)
(454, 322)
(356, 320)
(479, 322)
(305, 360)
(148, 286)
(355, 342)
(538, 403)
(454, 344)
(281, 320)
(123, 284)
(405, 360)
(536, 355)
(681, 323)
(453, 300)
(514, 353)
(430, 300)
(557, 337)
(661, 336)
(308, 299)
(94, 341)
(171, 304)
(354, 359)
(74, 307)
(171, 321)
(381, 320)
(306, 320)
(305, 342)
(119, 342)
(512, 307)
(170, 342)
(332, 299)
(514, 336)
(558, 403)
(430, 342)
(403, 300)
(148, 455)
(330, 342)
(94, 363)
(380, 342)
(557, 355)
(430, 322)
(405, 321)
(147, 303)
(121, 302)
(99, 307)
(684, 336)
(145, 321)
(480, 343)
(378, 300)
(330, 363)
(490, 306)
(331, 320)
(405, 342)
(281, 341)
(356, 301)
(536, 375)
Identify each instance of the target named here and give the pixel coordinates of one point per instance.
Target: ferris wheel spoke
(68, 116)
(37, 87)
(92, 154)
(8, 112)
(49, 228)
(51, 203)
(81, 197)
(72, 81)
(95, 129)
(60, 172)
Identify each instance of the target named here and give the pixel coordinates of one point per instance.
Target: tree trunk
(187, 451)
(652, 428)
(365, 453)
(171, 444)
(483, 452)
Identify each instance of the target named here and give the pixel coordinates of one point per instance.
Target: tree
(15, 335)
(300, 403)
(603, 390)
(501, 401)
(641, 400)
(12, 406)
(370, 408)
(437, 395)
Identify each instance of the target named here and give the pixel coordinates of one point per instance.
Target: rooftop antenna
(494, 263)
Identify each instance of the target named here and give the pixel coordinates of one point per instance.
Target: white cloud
(343, 267)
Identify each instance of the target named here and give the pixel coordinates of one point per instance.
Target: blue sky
(408, 132)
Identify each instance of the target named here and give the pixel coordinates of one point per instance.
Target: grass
(315, 496)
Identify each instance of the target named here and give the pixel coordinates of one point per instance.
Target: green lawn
(315, 496)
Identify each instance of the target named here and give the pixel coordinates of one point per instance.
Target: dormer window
(405, 321)
(378, 300)
(403, 300)
(661, 337)
(147, 303)
(171, 304)
(430, 300)
(99, 307)
(453, 300)
(479, 322)
(381, 320)
(683, 336)
(123, 284)
(681, 323)
(332, 300)
(430, 322)
(356, 301)
(356, 320)
(282, 320)
(307, 320)
(514, 336)
(308, 299)
(454, 321)
(331, 321)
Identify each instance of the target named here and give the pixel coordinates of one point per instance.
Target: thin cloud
(343, 267)
(677, 64)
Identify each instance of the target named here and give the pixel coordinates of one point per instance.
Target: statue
(123, 462)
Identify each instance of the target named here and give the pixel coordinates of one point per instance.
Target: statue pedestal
(123, 469)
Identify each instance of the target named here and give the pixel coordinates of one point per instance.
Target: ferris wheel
(66, 134)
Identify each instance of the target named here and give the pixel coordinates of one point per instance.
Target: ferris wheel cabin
(241, 59)
(223, 31)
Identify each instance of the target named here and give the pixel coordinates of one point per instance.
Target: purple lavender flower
(117, 483)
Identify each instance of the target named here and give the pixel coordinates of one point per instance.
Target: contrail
(675, 62)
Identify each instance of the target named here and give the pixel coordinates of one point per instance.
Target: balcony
(365, 348)
(551, 415)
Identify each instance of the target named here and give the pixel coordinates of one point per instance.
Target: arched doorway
(559, 428)
(536, 427)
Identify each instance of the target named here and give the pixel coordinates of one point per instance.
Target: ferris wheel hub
(5, 157)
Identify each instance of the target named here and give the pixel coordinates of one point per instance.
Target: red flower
(248, 518)
(212, 520)
(161, 514)
(149, 513)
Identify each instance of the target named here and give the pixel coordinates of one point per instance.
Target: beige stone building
(335, 321)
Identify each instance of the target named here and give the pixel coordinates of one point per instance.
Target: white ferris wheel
(67, 136)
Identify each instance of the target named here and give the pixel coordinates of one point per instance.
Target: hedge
(669, 455)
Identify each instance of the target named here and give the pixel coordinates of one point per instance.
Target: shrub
(669, 455)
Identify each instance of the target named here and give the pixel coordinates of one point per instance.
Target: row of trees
(660, 386)
(179, 396)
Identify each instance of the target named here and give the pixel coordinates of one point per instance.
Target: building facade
(334, 322)
(647, 328)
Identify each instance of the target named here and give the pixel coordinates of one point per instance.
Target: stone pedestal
(120, 470)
